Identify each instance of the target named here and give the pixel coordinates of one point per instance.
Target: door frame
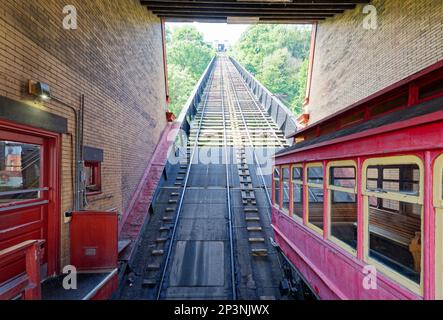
(52, 165)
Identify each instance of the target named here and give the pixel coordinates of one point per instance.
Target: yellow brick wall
(114, 58)
(352, 63)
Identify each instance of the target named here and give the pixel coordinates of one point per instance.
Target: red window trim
(96, 172)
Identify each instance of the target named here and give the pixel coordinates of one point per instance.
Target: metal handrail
(9, 193)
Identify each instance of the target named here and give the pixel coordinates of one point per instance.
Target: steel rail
(254, 100)
(260, 172)
(185, 186)
(255, 158)
(228, 191)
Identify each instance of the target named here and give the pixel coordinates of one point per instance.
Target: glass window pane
(343, 177)
(19, 171)
(394, 178)
(315, 207)
(372, 173)
(277, 193)
(343, 197)
(298, 199)
(297, 173)
(395, 237)
(285, 175)
(277, 173)
(344, 218)
(315, 175)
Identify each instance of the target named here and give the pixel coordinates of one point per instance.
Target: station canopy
(249, 11)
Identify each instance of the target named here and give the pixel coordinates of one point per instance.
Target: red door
(26, 195)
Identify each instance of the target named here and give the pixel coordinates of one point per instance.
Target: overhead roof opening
(276, 54)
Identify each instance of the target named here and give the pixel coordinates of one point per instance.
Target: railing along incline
(189, 110)
(282, 116)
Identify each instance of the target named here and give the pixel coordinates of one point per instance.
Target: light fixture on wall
(39, 89)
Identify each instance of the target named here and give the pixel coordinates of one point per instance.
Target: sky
(212, 32)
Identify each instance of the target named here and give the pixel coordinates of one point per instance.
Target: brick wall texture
(114, 58)
(352, 63)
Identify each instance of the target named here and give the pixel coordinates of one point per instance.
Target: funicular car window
(315, 195)
(343, 203)
(277, 186)
(394, 209)
(297, 191)
(285, 189)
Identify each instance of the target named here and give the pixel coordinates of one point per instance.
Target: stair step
(175, 194)
(255, 229)
(153, 267)
(149, 283)
(167, 218)
(170, 210)
(164, 228)
(268, 298)
(172, 201)
(161, 240)
(158, 252)
(250, 210)
(259, 252)
(256, 240)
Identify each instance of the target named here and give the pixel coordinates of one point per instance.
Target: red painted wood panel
(94, 240)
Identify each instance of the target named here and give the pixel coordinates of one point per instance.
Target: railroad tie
(256, 240)
(259, 252)
(158, 252)
(149, 283)
(255, 229)
(153, 267)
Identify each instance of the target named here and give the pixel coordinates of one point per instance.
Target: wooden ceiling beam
(243, 5)
(218, 16)
(311, 10)
(252, 3)
(243, 14)
(257, 11)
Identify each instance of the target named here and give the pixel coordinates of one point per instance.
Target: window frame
(42, 188)
(308, 185)
(438, 206)
(286, 211)
(299, 182)
(330, 188)
(97, 176)
(419, 200)
(274, 203)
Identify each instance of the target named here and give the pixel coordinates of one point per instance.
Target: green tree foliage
(278, 56)
(181, 84)
(188, 56)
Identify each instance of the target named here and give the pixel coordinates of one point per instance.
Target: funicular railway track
(214, 244)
